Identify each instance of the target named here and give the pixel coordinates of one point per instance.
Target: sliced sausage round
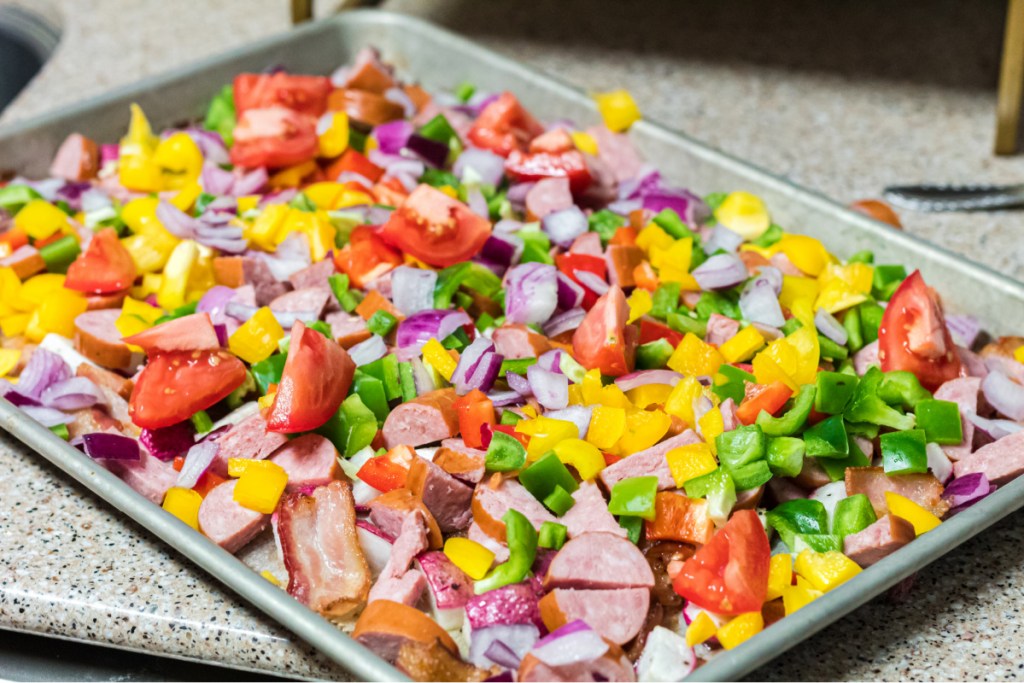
(227, 523)
(599, 561)
(617, 615)
(309, 460)
(490, 505)
(98, 339)
(426, 419)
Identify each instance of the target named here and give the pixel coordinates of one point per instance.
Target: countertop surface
(842, 97)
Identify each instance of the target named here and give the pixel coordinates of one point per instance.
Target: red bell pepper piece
(474, 411)
(767, 397)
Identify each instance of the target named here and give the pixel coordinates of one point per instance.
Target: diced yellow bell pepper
(825, 571)
(745, 214)
(796, 597)
(653, 235)
(266, 401)
(591, 387)
(141, 309)
(649, 394)
(439, 358)
(690, 461)
(176, 274)
(780, 575)
(180, 160)
(676, 255)
(700, 629)
(9, 360)
(545, 433)
(248, 203)
(469, 556)
(40, 219)
(607, 425)
(618, 109)
(349, 197)
(694, 357)
(612, 395)
(269, 576)
(901, 506)
(644, 428)
(740, 629)
(260, 486)
(39, 288)
(257, 337)
(680, 401)
(187, 195)
(1018, 354)
(183, 504)
(292, 176)
(57, 314)
(128, 325)
(140, 173)
(584, 142)
(795, 287)
(575, 395)
(139, 138)
(321, 236)
(837, 296)
(711, 424)
(13, 325)
(792, 359)
(859, 276)
(639, 303)
(323, 194)
(806, 253)
(743, 345)
(264, 230)
(334, 140)
(150, 285)
(585, 457)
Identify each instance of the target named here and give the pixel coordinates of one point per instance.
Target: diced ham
(309, 460)
(590, 513)
(1000, 461)
(25, 262)
(149, 476)
(389, 510)
(77, 159)
(490, 505)
(617, 151)
(866, 357)
(397, 581)
(599, 561)
(227, 523)
(515, 340)
(426, 419)
(548, 195)
(266, 287)
(447, 498)
(720, 329)
(881, 539)
(98, 339)
(923, 489)
(347, 329)
(122, 386)
(589, 243)
(316, 534)
(461, 461)
(248, 439)
(310, 300)
(648, 462)
(730, 420)
(622, 261)
(313, 276)
(617, 615)
(964, 392)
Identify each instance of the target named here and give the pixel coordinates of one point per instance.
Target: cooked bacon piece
(317, 536)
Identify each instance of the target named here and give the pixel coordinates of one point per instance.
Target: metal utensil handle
(956, 197)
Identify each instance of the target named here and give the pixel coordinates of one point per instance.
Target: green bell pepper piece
(819, 543)
(870, 320)
(852, 514)
(386, 370)
(237, 397)
(456, 340)
(665, 300)
(720, 303)
(516, 365)
(886, 279)
(439, 130)
(800, 516)
(769, 237)
(751, 475)
(522, 546)
(729, 382)
(13, 197)
(559, 501)
(59, 255)
(865, 256)
(901, 388)
(865, 429)
(509, 417)
(351, 428)
(686, 323)
(268, 371)
(855, 337)
(406, 381)
(605, 223)
(785, 455)
(634, 497)
(653, 355)
(740, 446)
(371, 391)
(831, 350)
(552, 535)
(718, 488)
(634, 527)
(827, 439)
(220, 115)
(381, 323)
(448, 281)
(464, 91)
(61, 431)
(201, 422)
(793, 419)
(940, 421)
(545, 475)
(904, 452)
(536, 246)
(481, 280)
(835, 389)
(505, 453)
(669, 221)
(836, 467)
(866, 405)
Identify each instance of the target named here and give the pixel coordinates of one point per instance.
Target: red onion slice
(197, 461)
(73, 393)
(830, 327)
(106, 446)
(760, 304)
(501, 644)
(531, 293)
(168, 443)
(996, 429)
(967, 490)
(48, 417)
(468, 360)
(485, 372)
(550, 388)
(369, 350)
(392, 136)
(1005, 395)
(571, 644)
(564, 322)
(722, 238)
(565, 225)
(44, 369)
(419, 328)
(519, 384)
(720, 271)
(412, 289)
(642, 378)
(592, 281)
(488, 167)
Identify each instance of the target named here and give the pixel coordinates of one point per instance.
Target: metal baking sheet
(438, 58)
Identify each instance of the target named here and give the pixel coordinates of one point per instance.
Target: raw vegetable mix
(510, 400)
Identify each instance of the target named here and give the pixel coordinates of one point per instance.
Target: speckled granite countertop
(844, 98)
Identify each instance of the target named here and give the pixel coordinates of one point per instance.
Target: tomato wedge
(365, 257)
(913, 335)
(652, 330)
(729, 574)
(526, 168)
(435, 228)
(604, 340)
(304, 94)
(175, 385)
(316, 378)
(353, 161)
(189, 333)
(503, 126)
(274, 137)
(103, 268)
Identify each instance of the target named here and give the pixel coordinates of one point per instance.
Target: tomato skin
(304, 94)
(503, 126)
(354, 162)
(383, 473)
(568, 263)
(175, 385)
(554, 141)
(729, 574)
(532, 167)
(913, 335)
(435, 228)
(652, 330)
(274, 137)
(316, 378)
(767, 397)
(103, 268)
(188, 333)
(366, 256)
(604, 340)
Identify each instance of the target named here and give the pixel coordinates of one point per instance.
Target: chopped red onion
(501, 644)
(551, 361)
(109, 152)
(477, 203)
(570, 293)
(516, 195)
(95, 199)
(938, 462)
(421, 377)
(221, 329)
(967, 490)
(565, 225)
(412, 289)
(365, 352)
(167, 443)
(44, 369)
(48, 417)
(468, 360)
(769, 332)
(215, 180)
(17, 400)
(624, 207)
(830, 327)
(519, 384)
(550, 388)
(773, 275)
(73, 393)
(964, 328)
(1003, 394)
(502, 249)
(646, 180)
(722, 238)
(564, 322)
(592, 281)
(531, 293)
(357, 178)
(996, 429)
(413, 168)
(571, 644)
(106, 446)
(720, 271)
(486, 371)
(197, 461)
(215, 302)
(419, 328)
(431, 151)
(488, 167)
(250, 183)
(210, 143)
(504, 398)
(1008, 366)
(759, 303)
(642, 378)
(392, 136)
(578, 415)
(506, 226)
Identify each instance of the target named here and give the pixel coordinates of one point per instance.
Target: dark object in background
(26, 42)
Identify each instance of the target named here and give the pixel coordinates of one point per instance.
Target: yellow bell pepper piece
(796, 597)
(1018, 354)
(137, 169)
(806, 253)
(901, 506)
(260, 486)
(257, 337)
(187, 195)
(138, 213)
(859, 276)
(795, 287)
(676, 255)
(128, 325)
(582, 455)
(780, 575)
(644, 428)
(792, 359)
(248, 203)
(439, 358)
(711, 424)
(611, 395)
(179, 159)
(40, 219)
(39, 288)
(266, 401)
(334, 140)
(176, 274)
(140, 139)
(618, 109)
(323, 194)
(545, 433)
(575, 395)
(183, 504)
(13, 325)
(584, 142)
(141, 309)
(700, 629)
(469, 556)
(740, 629)
(264, 230)
(690, 461)
(837, 296)
(607, 425)
(269, 576)
(639, 303)
(591, 387)
(652, 236)
(743, 345)
(9, 360)
(150, 285)
(694, 357)
(649, 394)
(57, 314)
(292, 176)
(825, 571)
(680, 401)
(321, 236)
(349, 197)
(745, 214)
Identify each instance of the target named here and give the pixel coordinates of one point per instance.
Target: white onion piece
(197, 460)
(412, 289)
(830, 327)
(574, 646)
(1005, 395)
(721, 271)
(938, 462)
(760, 304)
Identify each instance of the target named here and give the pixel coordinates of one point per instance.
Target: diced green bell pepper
(769, 237)
(729, 382)
(793, 419)
(831, 350)
(559, 501)
(751, 475)
(870, 320)
(901, 388)
(827, 439)
(835, 389)
(220, 115)
(819, 543)
(634, 527)
(866, 405)
(268, 371)
(516, 365)
(509, 417)
(836, 467)
(351, 428)
(505, 453)
(545, 475)
(940, 421)
(740, 446)
(855, 337)
(60, 254)
(665, 300)
(448, 281)
(605, 223)
(381, 323)
(371, 391)
(522, 545)
(653, 355)
(785, 455)
(852, 514)
(669, 221)
(720, 303)
(885, 281)
(552, 535)
(904, 452)
(536, 246)
(201, 422)
(406, 381)
(386, 370)
(61, 431)
(439, 130)
(13, 197)
(800, 516)
(634, 497)
(687, 324)
(865, 256)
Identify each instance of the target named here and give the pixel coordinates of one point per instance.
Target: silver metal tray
(438, 58)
